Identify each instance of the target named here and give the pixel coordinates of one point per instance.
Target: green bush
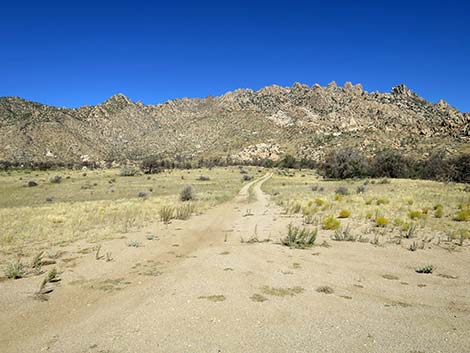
(344, 214)
(381, 221)
(331, 223)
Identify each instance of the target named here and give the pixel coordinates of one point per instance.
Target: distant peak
(118, 98)
(402, 90)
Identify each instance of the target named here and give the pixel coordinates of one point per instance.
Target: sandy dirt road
(201, 287)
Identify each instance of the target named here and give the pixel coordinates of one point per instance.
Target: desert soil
(198, 287)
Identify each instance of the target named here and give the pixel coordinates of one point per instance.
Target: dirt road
(203, 286)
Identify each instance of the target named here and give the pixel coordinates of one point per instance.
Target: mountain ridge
(241, 124)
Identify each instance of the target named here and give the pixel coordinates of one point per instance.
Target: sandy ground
(199, 288)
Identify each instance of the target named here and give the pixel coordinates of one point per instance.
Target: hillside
(244, 124)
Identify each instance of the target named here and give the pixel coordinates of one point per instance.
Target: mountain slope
(301, 120)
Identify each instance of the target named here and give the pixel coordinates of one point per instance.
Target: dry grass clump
(416, 215)
(166, 214)
(185, 211)
(299, 238)
(15, 270)
(344, 214)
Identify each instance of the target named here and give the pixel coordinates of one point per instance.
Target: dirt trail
(203, 287)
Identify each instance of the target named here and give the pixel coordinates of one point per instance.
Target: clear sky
(72, 53)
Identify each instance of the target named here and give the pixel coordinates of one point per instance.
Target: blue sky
(73, 53)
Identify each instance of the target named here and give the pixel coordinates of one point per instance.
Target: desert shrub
(360, 189)
(343, 164)
(319, 202)
(57, 179)
(438, 211)
(382, 201)
(463, 215)
(344, 214)
(185, 211)
(425, 269)
(416, 215)
(128, 172)
(390, 164)
(187, 193)
(384, 181)
(153, 165)
(166, 214)
(381, 221)
(287, 162)
(342, 190)
(461, 168)
(134, 244)
(314, 188)
(32, 183)
(247, 177)
(339, 197)
(331, 223)
(15, 270)
(436, 167)
(299, 238)
(203, 178)
(142, 194)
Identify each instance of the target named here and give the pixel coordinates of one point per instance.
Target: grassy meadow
(100, 204)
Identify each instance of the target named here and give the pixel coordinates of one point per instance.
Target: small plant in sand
(299, 237)
(409, 230)
(134, 244)
(344, 214)
(425, 269)
(325, 290)
(319, 202)
(203, 178)
(166, 214)
(413, 246)
(343, 234)
(330, 223)
(15, 270)
(36, 262)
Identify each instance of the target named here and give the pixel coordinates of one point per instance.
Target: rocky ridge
(243, 124)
